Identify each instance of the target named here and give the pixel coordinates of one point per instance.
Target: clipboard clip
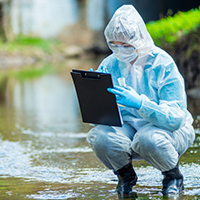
(91, 75)
(88, 74)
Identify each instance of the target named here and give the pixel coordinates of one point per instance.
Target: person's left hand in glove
(126, 96)
(102, 69)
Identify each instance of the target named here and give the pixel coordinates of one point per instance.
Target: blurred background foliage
(27, 45)
(165, 31)
(55, 31)
(43, 44)
(172, 28)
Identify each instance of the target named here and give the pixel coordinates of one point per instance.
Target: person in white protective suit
(152, 98)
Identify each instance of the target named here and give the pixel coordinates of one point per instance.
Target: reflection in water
(44, 141)
(49, 102)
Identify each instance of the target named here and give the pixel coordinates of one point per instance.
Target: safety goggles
(125, 48)
(123, 45)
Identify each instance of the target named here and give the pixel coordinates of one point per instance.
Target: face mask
(124, 53)
(127, 58)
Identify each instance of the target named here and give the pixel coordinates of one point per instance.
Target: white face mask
(123, 53)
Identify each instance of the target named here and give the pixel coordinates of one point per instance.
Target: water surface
(43, 148)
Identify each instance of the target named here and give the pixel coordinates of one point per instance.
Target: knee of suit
(97, 139)
(149, 143)
(143, 143)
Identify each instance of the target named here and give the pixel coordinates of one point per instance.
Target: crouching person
(157, 124)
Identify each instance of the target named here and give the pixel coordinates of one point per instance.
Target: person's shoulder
(158, 58)
(110, 60)
(160, 61)
(162, 54)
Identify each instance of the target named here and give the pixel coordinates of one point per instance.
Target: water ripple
(16, 161)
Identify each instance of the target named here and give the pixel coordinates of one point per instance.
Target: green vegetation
(28, 46)
(45, 45)
(171, 28)
(31, 72)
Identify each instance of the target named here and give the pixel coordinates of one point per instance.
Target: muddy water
(44, 154)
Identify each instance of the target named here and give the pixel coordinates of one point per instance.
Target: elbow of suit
(176, 123)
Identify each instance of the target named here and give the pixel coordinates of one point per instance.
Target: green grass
(45, 45)
(31, 72)
(172, 28)
(28, 45)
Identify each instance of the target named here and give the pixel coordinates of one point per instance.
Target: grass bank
(170, 29)
(179, 36)
(32, 47)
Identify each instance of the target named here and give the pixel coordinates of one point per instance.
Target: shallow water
(44, 154)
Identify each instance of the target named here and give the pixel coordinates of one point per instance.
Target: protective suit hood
(127, 26)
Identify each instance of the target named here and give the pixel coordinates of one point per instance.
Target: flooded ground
(43, 148)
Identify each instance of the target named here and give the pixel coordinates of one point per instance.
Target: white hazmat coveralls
(161, 130)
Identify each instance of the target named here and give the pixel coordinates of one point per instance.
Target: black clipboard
(97, 105)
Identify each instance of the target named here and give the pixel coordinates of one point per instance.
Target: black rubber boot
(127, 178)
(172, 182)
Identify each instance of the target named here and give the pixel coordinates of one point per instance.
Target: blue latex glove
(127, 96)
(90, 70)
(102, 69)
